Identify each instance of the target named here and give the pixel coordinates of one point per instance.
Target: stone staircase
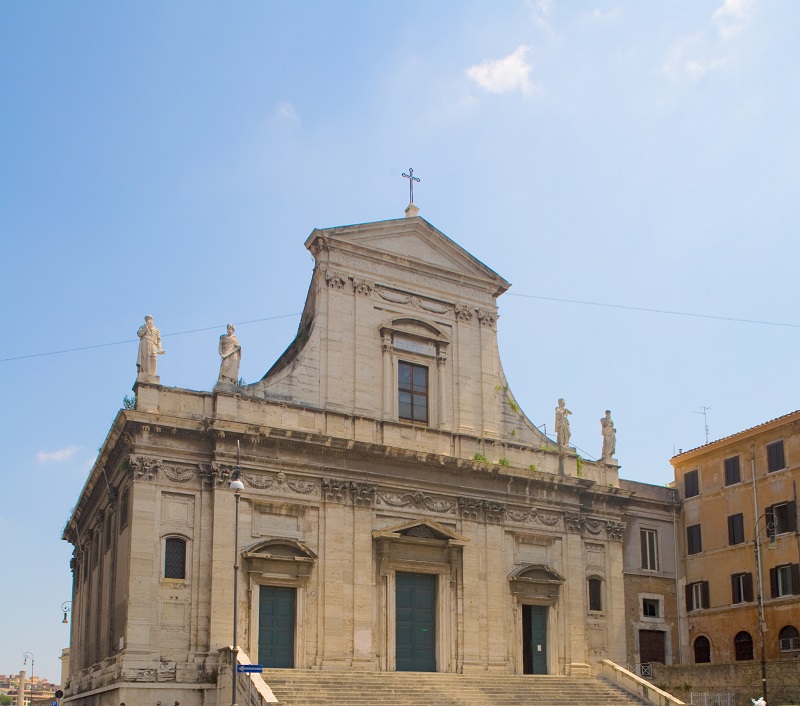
(298, 687)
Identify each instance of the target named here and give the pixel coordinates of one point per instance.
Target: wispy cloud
(57, 456)
(286, 110)
(504, 75)
(732, 17)
(697, 54)
(541, 10)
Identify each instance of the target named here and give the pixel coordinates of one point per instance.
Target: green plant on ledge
(579, 463)
(504, 462)
(480, 457)
(532, 467)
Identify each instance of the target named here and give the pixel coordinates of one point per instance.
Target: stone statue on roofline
(609, 436)
(562, 423)
(231, 353)
(149, 348)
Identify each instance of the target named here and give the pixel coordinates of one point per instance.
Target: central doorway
(534, 639)
(415, 623)
(276, 620)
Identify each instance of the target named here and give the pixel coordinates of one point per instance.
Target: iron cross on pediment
(411, 179)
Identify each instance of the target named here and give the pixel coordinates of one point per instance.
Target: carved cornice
(361, 286)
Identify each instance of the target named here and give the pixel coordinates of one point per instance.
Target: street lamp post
(25, 656)
(236, 486)
(770, 528)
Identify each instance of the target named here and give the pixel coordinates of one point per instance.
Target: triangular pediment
(280, 548)
(422, 528)
(536, 573)
(411, 240)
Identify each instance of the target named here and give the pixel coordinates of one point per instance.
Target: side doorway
(277, 610)
(534, 639)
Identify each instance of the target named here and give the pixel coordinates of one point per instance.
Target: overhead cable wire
(655, 311)
(134, 340)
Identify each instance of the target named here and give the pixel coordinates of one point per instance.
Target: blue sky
(171, 158)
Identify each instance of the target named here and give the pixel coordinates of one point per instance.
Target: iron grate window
(175, 558)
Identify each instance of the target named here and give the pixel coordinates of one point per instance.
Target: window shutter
(748, 587)
(689, 605)
(643, 538)
(706, 597)
(796, 579)
(734, 589)
(773, 582)
(791, 516)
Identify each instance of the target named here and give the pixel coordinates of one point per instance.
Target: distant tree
(6, 700)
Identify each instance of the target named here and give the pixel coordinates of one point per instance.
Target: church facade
(399, 510)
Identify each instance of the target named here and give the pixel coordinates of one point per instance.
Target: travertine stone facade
(347, 501)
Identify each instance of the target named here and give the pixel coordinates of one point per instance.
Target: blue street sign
(249, 668)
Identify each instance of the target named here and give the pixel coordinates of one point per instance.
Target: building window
(697, 595)
(691, 484)
(775, 458)
(175, 558)
(702, 650)
(733, 473)
(649, 540)
(736, 528)
(412, 391)
(123, 509)
(595, 594)
(783, 517)
(651, 608)
(743, 646)
(694, 540)
(741, 588)
(784, 580)
(789, 639)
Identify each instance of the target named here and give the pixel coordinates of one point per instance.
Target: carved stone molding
(463, 312)
(179, 475)
(470, 507)
(281, 482)
(615, 530)
(335, 280)
(417, 500)
(573, 522)
(361, 286)
(533, 515)
(334, 490)
(494, 511)
(144, 467)
(396, 297)
(593, 526)
(486, 318)
(215, 475)
(363, 493)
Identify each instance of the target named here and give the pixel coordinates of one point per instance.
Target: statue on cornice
(562, 424)
(149, 347)
(609, 436)
(231, 353)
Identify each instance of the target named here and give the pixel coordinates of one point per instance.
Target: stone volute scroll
(149, 350)
(231, 353)
(562, 424)
(609, 436)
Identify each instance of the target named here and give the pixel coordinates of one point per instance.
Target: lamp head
(237, 485)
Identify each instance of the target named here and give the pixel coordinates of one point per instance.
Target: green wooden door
(415, 630)
(534, 639)
(276, 619)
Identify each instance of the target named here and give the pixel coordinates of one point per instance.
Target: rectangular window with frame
(736, 528)
(783, 517)
(733, 473)
(742, 588)
(651, 608)
(595, 594)
(649, 540)
(775, 458)
(784, 580)
(412, 394)
(691, 484)
(697, 595)
(694, 539)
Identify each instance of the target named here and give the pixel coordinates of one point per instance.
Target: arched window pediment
(280, 548)
(416, 328)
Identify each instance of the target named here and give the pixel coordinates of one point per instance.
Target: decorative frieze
(215, 475)
(361, 286)
(463, 312)
(334, 280)
(363, 493)
(486, 318)
(593, 526)
(281, 482)
(179, 475)
(417, 500)
(396, 297)
(533, 515)
(334, 490)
